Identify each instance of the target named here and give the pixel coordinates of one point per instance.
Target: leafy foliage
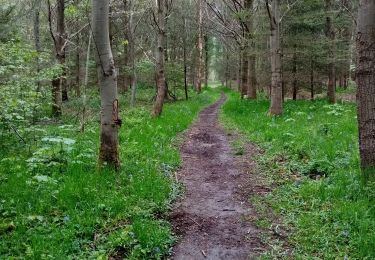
(55, 201)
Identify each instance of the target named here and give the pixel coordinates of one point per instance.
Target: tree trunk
(133, 78)
(59, 38)
(61, 47)
(330, 34)
(276, 84)
(252, 85)
(348, 36)
(127, 32)
(244, 71)
(37, 29)
(85, 83)
(341, 82)
(38, 48)
(238, 72)
(185, 61)
(283, 83)
(110, 121)
(130, 74)
(295, 90)
(207, 60)
(227, 72)
(56, 97)
(312, 79)
(160, 73)
(166, 41)
(168, 95)
(251, 88)
(78, 56)
(346, 79)
(366, 87)
(199, 78)
(78, 71)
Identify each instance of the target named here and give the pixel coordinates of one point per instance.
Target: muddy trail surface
(212, 220)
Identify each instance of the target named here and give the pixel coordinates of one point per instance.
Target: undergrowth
(311, 157)
(54, 204)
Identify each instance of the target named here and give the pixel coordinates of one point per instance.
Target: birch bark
(110, 122)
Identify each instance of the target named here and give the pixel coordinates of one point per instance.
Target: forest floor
(317, 207)
(61, 206)
(214, 218)
(284, 187)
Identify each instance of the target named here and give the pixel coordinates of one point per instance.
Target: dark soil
(213, 220)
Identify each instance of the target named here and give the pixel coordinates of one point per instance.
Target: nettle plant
(25, 93)
(52, 156)
(25, 109)
(336, 109)
(55, 153)
(17, 92)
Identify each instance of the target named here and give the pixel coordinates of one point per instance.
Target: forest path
(213, 218)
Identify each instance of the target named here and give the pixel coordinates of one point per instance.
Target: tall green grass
(311, 153)
(54, 204)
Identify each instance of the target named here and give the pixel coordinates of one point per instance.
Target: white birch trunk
(110, 122)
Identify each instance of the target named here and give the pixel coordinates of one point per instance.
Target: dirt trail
(212, 219)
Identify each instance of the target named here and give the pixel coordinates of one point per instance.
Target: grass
(54, 204)
(311, 157)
